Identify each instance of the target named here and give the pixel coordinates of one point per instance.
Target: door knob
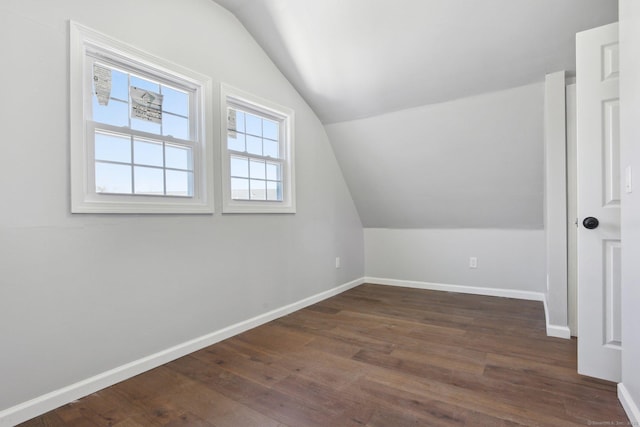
(590, 222)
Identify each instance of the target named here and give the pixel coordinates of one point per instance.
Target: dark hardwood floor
(374, 356)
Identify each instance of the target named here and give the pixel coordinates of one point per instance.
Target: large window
(257, 154)
(138, 142)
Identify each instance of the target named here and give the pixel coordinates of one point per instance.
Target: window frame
(87, 44)
(231, 97)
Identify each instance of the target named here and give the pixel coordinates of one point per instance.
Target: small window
(138, 142)
(257, 153)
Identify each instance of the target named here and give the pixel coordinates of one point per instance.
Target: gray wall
(437, 184)
(471, 163)
(507, 259)
(82, 294)
(630, 154)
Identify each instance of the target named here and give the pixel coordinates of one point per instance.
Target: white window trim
(84, 198)
(288, 204)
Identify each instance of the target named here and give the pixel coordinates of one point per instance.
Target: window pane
(264, 154)
(258, 189)
(274, 191)
(178, 157)
(112, 178)
(257, 169)
(235, 141)
(114, 148)
(239, 120)
(119, 85)
(145, 126)
(240, 167)
(116, 113)
(148, 180)
(239, 188)
(270, 129)
(145, 84)
(254, 145)
(147, 153)
(126, 164)
(271, 148)
(273, 171)
(175, 101)
(179, 183)
(254, 124)
(177, 127)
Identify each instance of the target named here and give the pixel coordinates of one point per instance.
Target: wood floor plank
(218, 379)
(325, 368)
(253, 369)
(430, 411)
(371, 356)
(50, 419)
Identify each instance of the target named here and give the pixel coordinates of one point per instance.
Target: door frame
(572, 208)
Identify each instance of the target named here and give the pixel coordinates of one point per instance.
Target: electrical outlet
(337, 262)
(473, 262)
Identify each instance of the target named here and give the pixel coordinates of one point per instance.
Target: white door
(599, 249)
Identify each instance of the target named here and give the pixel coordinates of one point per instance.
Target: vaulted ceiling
(358, 58)
(434, 108)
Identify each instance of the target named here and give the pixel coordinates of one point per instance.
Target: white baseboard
(630, 407)
(494, 292)
(552, 330)
(38, 406)
(557, 331)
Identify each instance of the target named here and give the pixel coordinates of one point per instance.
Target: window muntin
(126, 164)
(254, 143)
(257, 154)
(155, 154)
(176, 120)
(143, 147)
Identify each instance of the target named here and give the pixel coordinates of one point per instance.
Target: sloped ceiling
(434, 108)
(476, 162)
(358, 58)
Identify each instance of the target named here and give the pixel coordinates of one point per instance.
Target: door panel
(612, 301)
(598, 189)
(611, 153)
